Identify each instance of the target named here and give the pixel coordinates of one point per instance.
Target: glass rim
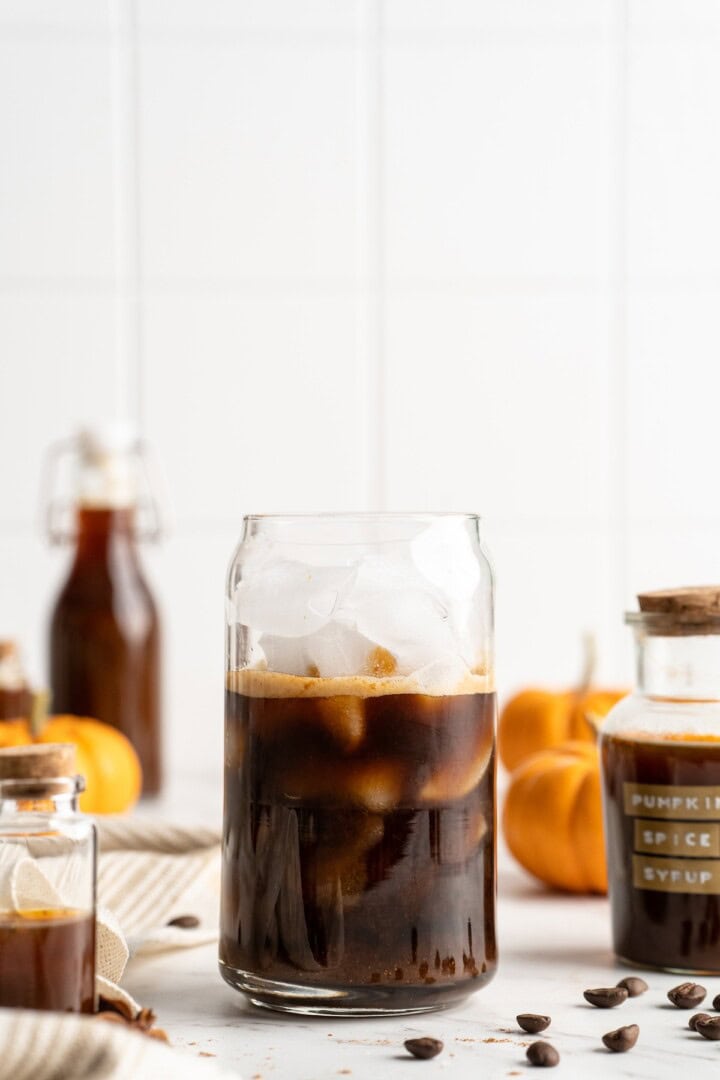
(684, 624)
(366, 516)
(40, 787)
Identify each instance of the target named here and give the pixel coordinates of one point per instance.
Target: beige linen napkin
(57, 1046)
(149, 873)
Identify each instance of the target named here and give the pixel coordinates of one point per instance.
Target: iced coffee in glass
(359, 838)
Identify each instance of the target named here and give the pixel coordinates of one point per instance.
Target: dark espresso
(662, 813)
(358, 852)
(47, 960)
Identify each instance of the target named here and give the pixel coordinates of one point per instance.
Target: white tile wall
(362, 254)
(56, 165)
(674, 155)
(248, 160)
(254, 402)
(498, 158)
(499, 402)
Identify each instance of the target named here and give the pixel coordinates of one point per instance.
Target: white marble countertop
(551, 949)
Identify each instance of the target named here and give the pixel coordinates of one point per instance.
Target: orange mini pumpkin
(105, 757)
(538, 719)
(552, 818)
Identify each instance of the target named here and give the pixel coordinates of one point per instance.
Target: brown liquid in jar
(674, 921)
(104, 638)
(47, 960)
(358, 845)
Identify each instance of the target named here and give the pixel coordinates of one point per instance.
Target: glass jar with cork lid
(660, 751)
(47, 882)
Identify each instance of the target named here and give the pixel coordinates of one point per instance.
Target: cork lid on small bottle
(691, 609)
(40, 761)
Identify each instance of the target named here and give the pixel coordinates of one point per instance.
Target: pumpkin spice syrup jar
(660, 750)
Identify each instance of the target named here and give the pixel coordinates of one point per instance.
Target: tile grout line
(126, 288)
(139, 321)
(370, 249)
(380, 340)
(619, 375)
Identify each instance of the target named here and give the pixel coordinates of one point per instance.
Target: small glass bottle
(15, 693)
(661, 778)
(47, 882)
(105, 628)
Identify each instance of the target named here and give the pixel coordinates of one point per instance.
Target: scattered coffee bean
(695, 1017)
(622, 1039)
(634, 986)
(606, 997)
(533, 1022)
(716, 1002)
(709, 1027)
(185, 922)
(543, 1055)
(687, 995)
(423, 1048)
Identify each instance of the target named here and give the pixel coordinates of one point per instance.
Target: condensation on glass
(359, 843)
(661, 783)
(47, 882)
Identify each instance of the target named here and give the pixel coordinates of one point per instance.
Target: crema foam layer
(256, 682)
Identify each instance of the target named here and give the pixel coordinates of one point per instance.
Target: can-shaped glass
(359, 814)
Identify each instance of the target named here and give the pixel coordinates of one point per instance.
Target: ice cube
(334, 650)
(391, 606)
(285, 654)
(445, 557)
(375, 785)
(343, 718)
(338, 649)
(457, 776)
(289, 599)
(441, 676)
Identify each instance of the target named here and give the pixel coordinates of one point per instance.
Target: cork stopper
(41, 761)
(692, 609)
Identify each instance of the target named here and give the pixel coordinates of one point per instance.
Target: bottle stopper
(691, 609)
(39, 761)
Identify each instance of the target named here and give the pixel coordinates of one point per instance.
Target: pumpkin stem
(39, 712)
(587, 674)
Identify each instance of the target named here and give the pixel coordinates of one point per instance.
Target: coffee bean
(687, 995)
(185, 922)
(716, 1002)
(622, 1039)
(695, 1017)
(709, 1027)
(533, 1022)
(543, 1055)
(634, 986)
(606, 997)
(423, 1048)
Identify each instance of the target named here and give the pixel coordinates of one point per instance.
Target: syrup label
(670, 802)
(694, 840)
(676, 875)
(680, 822)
